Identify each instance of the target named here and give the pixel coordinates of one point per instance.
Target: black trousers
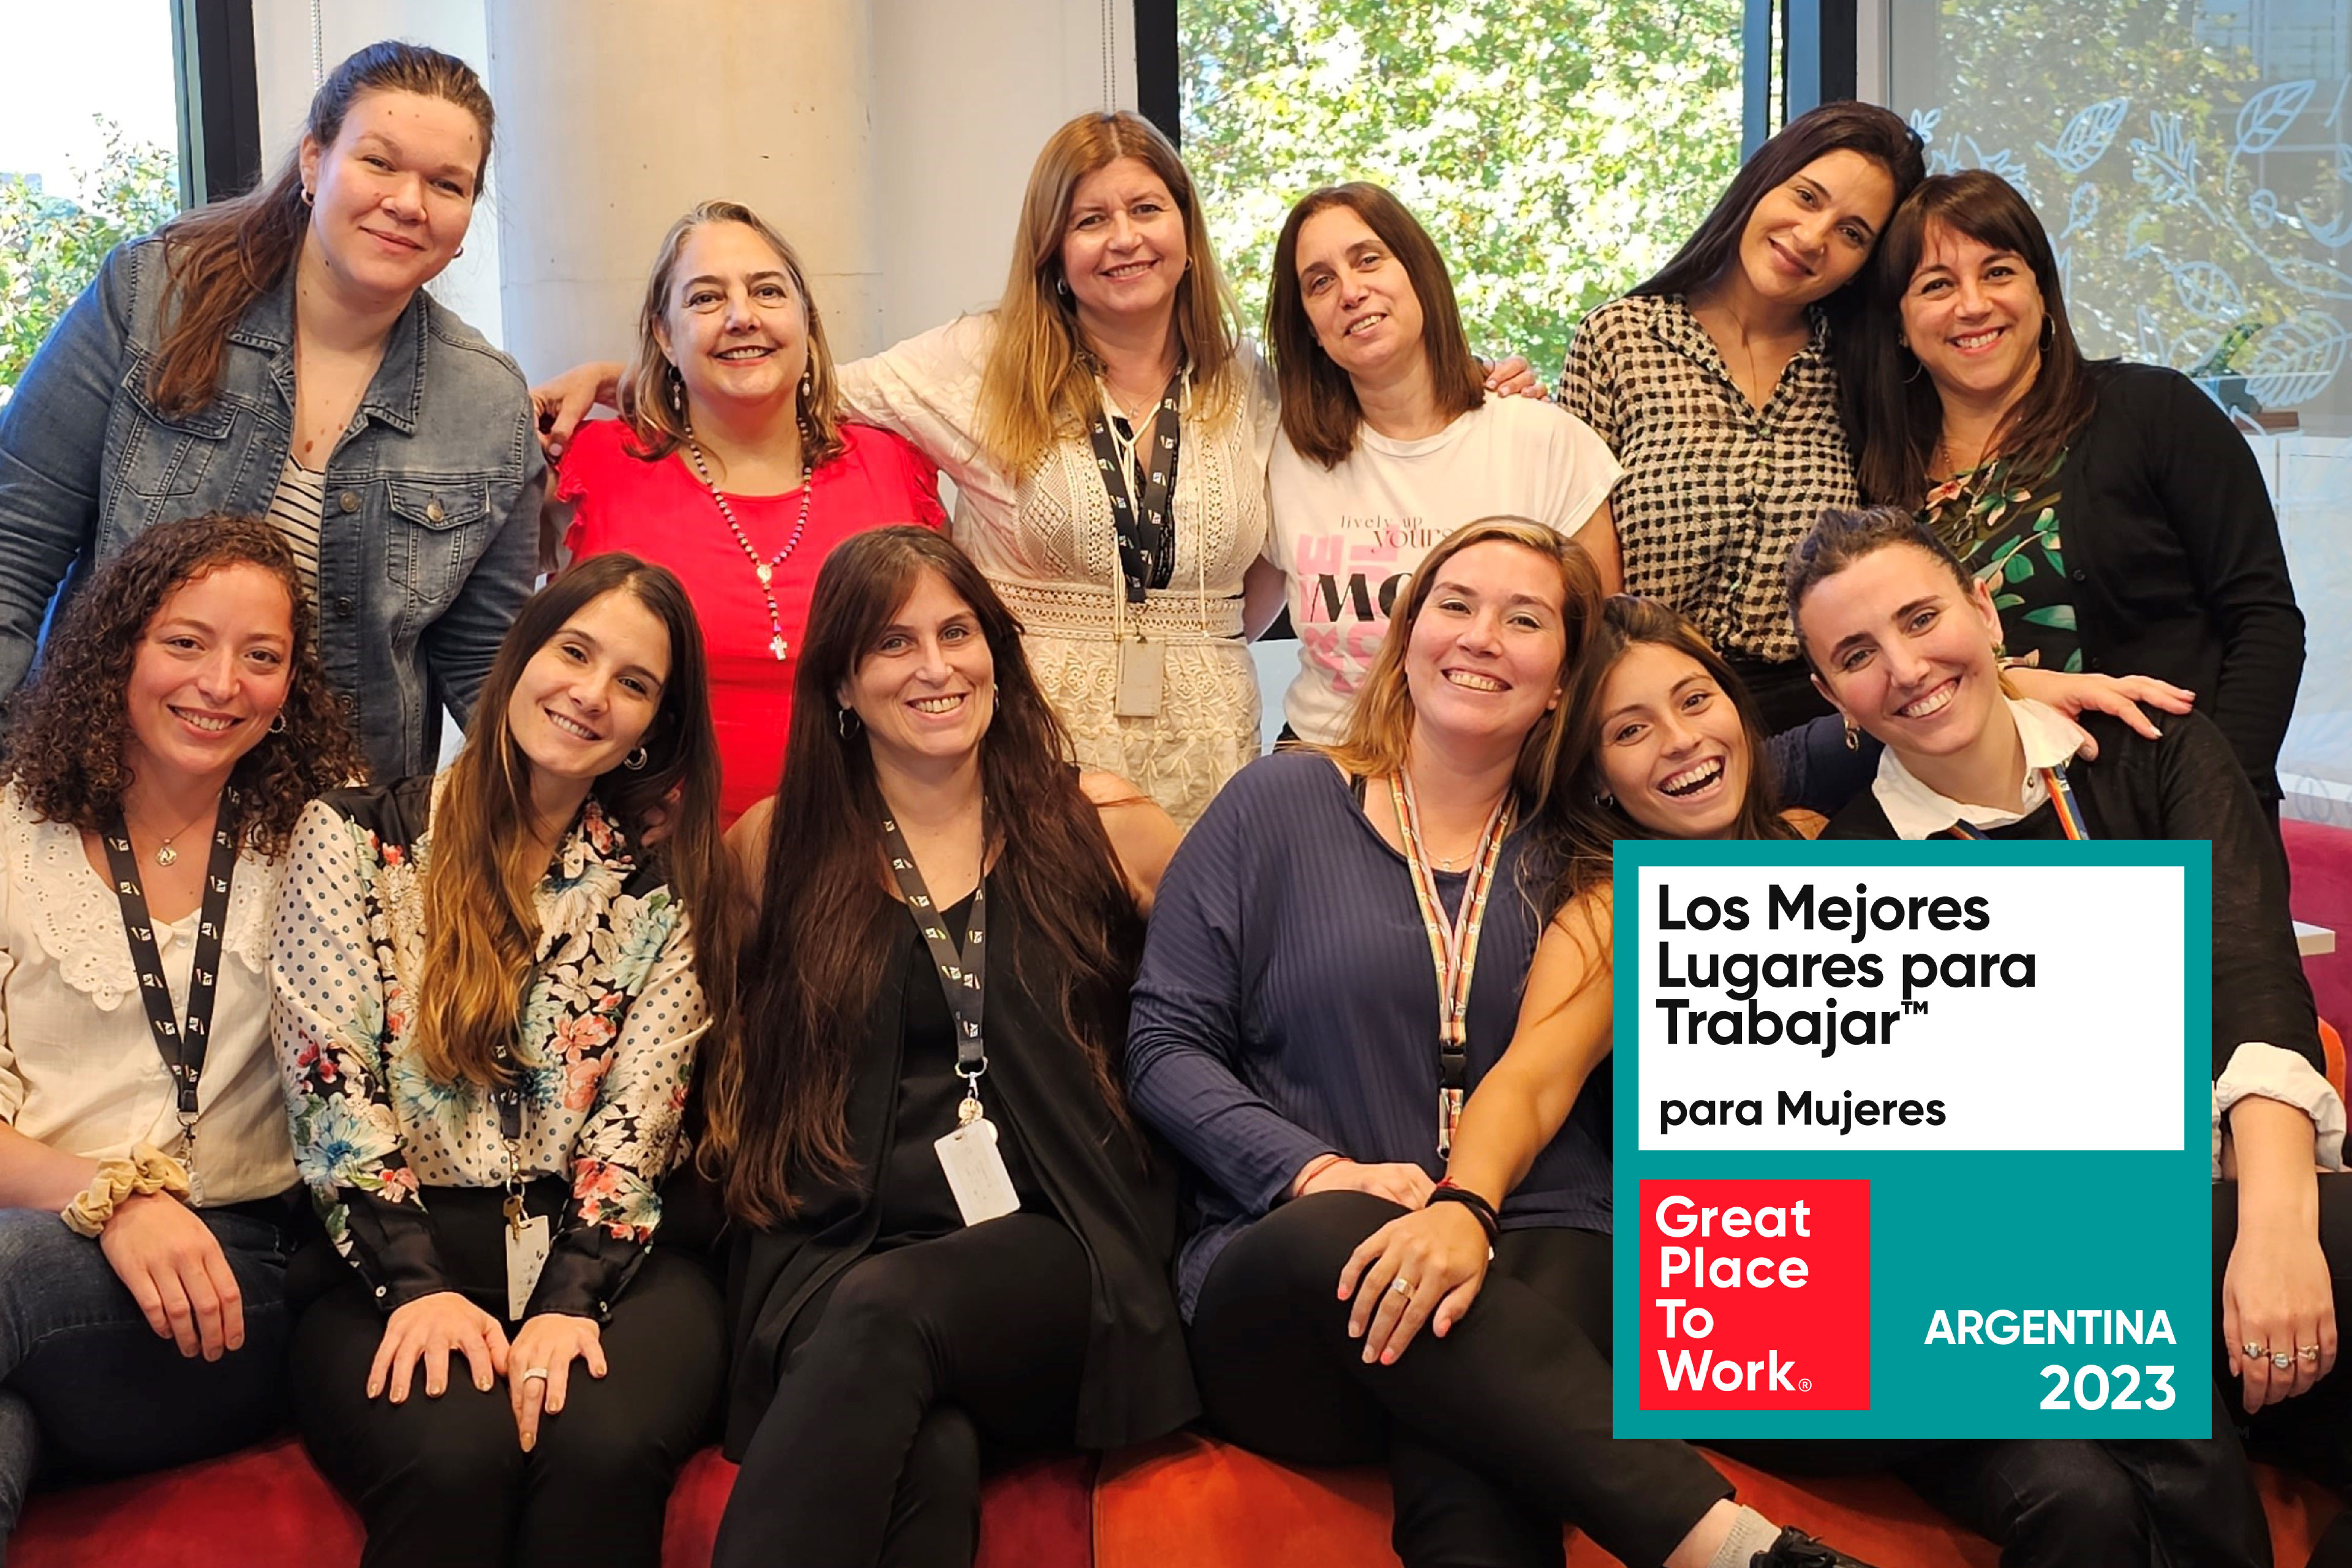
(445, 1482)
(1495, 1436)
(870, 1452)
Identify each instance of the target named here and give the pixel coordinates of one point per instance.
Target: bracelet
(1451, 1192)
(146, 1169)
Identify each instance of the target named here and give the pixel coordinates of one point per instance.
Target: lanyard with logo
(1146, 531)
(968, 1155)
(180, 1045)
(2062, 801)
(1453, 942)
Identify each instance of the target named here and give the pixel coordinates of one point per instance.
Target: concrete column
(615, 116)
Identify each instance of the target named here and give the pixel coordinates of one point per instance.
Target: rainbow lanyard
(2061, 798)
(1453, 942)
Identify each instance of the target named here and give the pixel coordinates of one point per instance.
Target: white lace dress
(1048, 544)
(78, 1069)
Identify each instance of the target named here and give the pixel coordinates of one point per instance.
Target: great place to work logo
(1913, 1140)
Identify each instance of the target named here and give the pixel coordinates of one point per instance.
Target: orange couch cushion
(1211, 1505)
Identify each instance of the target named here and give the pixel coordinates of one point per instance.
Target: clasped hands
(1424, 1267)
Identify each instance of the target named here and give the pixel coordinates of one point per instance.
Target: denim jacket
(427, 543)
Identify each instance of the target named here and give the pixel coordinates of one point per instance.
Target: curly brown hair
(62, 734)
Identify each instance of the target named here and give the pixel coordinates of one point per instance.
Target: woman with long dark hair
(489, 986)
(277, 354)
(2118, 517)
(153, 773)
(955, 1233)
(1716, 382)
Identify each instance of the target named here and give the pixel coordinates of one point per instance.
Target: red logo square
(1755, 1296)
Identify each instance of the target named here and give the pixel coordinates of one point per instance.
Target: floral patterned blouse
(605, 1046)
(2005, 529)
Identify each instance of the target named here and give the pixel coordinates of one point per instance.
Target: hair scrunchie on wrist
(146, 1169)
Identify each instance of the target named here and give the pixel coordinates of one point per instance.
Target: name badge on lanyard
(1147, 533)
(1452, 943)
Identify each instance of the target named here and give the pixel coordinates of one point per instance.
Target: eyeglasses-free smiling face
(734, 325)
(1483, 659)
(1358, 298)
(588, 696)
(211, 671)
(1904, 651)
(1811, 234)
(393, 197)
(1672, 748)
(1123, 249)
(1973, 315)
(926, 688)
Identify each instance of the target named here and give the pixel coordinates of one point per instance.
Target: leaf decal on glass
(2209, 292)
(1923, 120)
(2166, 162)
(2313, 277)
(2343, 162)
(2297, 359)
(2088, 135)
(2082, 207)
(2152, 336)
(2267, 114)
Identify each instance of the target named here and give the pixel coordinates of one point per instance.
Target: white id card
(1142, 670)
(976, 1173)
(526, 1256)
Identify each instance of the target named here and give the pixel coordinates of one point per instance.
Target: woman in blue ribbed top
(1335, 961)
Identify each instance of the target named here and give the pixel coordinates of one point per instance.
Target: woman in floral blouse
(490, 1179)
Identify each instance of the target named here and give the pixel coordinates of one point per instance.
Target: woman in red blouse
(731, 466)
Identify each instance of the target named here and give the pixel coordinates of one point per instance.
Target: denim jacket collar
(393, 395)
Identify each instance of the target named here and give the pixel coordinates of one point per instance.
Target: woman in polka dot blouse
(487, 1005)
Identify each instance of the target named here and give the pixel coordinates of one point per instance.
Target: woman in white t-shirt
(1390, 439)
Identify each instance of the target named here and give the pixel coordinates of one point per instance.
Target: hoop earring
(636, 760)
(2049, 332)
(278, 723)
(1916, 366)
(847, 720)
(1062, 284)
(1604, 800)
(1852, 737)
(457, 252)
(306, 197)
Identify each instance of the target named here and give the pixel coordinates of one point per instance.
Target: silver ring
(1401, 1285)
(538, 1372)
(2254, 1351)
(2281, 1360)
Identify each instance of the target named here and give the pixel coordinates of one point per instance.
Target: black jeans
(1495, 1436)
(445, 1482)
(870, 1452)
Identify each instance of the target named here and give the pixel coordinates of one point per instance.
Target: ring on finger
(1401, 1285)
(2254, 1351)
(2308, 1352)
(538, 1373)
(2282, 1360)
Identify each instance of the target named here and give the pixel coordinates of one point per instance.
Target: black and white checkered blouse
(1715, 493)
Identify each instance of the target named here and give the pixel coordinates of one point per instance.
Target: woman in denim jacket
(276, 354)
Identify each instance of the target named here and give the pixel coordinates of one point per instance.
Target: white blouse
(78, 1068)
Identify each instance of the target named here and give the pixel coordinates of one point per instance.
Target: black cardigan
(1137, 1383)
(2174, 553)
(2186, 785)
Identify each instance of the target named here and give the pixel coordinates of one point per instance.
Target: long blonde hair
(1038, 384)
(1380, 725)
(652, 381)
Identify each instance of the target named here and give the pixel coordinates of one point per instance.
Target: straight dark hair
(1878, 134)
(1320, 410)
(1892, 412)
(1576, 830)
(779, 1092)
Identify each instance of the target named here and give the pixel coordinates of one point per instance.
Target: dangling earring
(636, 760)
(676, 391)
(1852, 737)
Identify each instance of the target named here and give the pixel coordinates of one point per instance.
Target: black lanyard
(963, 978)
(1147, 537)
(182, 1046)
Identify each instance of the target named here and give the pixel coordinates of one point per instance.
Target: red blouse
(662, 511)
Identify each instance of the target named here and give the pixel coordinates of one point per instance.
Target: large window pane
(89, 153)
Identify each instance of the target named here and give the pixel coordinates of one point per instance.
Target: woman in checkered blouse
(1715, 384)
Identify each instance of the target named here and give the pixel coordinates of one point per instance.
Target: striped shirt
(295, 511)
(1287, 1007)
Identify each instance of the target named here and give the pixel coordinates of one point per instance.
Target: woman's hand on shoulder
(560, 403)
(1142, 835)
(1514, 377)
(428, 1329)
(2118, 696)
(538, 1367)
(1421, 1268)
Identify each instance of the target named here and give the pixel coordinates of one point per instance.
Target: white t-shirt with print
(1346, 538)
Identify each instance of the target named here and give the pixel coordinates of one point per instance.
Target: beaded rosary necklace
(764, 570)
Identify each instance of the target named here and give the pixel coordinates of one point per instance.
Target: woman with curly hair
(153, 773)
(489, 987)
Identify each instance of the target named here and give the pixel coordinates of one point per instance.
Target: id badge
(976, 1173)
(1142, 667)
(526, 1244)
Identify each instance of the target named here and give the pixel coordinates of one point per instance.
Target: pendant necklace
(164, 854)
(764, 570)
